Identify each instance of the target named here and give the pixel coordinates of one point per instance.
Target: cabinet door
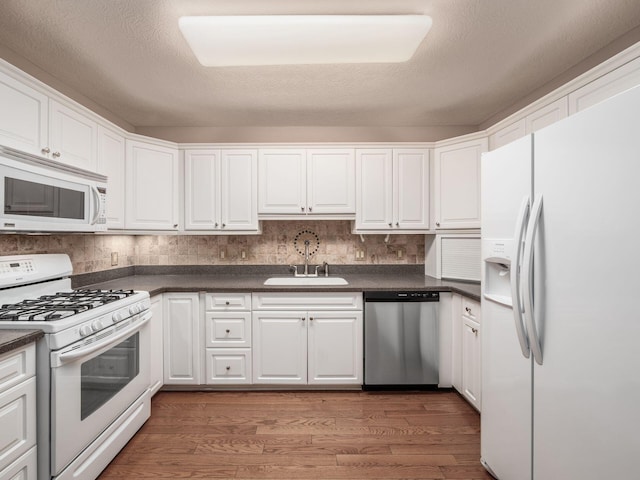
(280, 347)
(456, 341)
(239, 185)
(73, 138)
(228, 366)
(18, 421)
(202, 189)
(331, 181)
(282, 180)
(111, 154)
(335, 347)
(156, 339)
(151, 187)
(374, 189)
(182, 346)
(411, 189)
(471, 367)
(24, 116)
(457, 185)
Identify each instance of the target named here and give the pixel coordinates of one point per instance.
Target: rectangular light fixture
(221, 41)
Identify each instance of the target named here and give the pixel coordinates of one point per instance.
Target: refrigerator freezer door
(587, 392)
(506, 373)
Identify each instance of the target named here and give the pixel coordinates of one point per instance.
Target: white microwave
(42, 195)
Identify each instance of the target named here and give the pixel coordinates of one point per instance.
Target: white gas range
(92, 367)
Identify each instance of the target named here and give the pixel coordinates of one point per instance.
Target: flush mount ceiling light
(222, 41)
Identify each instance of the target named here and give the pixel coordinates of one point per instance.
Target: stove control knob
(117, 317)
(97, 325)
(85, 330)
(133, 309)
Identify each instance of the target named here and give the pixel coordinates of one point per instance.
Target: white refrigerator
(561, 299)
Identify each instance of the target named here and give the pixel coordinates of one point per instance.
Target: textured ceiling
(479, 58)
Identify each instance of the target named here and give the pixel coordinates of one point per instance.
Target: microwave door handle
(96, 204)
(63, 358)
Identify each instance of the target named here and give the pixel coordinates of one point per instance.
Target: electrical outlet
(114, 259)
(400, 253)
(223, 252)
(243, 254)
(360, 255)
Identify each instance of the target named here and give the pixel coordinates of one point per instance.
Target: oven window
(39, 200)
(105, 375)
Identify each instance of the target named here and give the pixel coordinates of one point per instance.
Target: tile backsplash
(92, 253)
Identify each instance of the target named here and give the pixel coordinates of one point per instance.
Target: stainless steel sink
(306, 281)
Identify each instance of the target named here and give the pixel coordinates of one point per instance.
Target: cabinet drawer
(308, 301)
(231, 329)
(24, 468)
(17, 421)
(471, 309)
(227, 301)
(16, 366)
(228, 365)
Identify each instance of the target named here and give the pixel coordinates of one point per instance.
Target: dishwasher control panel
(401, 296)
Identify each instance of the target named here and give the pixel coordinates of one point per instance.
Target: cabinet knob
(310, 209)
(303, 319)
(302, 209)
(175, 225)
(437, 224)
(475, 331)
(46, 150)
(228, 367)
(311, 319)
(391, 224)
(468, 310)
(397, 224)
(55, 154)
(224, 225)
(227, 302)
(228, 331)
(215, 225)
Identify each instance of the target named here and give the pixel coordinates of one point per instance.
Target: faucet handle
(317, 268)
(295, 269)
(325, 265)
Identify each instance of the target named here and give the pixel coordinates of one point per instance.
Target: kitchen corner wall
(92, 253)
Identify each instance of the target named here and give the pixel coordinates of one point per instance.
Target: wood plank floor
(304, 435)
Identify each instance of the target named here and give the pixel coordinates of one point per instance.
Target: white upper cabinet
(73, 137)
(306, 181)
(331, 181)
(392, 189)
(152, 182)
(24, 116)
(507, 134)
(111, 162)
(221, 190)
(457, 184)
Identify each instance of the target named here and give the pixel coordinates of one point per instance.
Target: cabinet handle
(55, 154)
(46, 150)
(437, 224)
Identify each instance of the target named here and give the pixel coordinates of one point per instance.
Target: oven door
(92, 384)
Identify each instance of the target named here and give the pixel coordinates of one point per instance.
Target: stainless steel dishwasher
(401, 340)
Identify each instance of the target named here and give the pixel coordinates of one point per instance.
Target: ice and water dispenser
(497, 257)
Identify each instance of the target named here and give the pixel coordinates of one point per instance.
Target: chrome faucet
(306, 258)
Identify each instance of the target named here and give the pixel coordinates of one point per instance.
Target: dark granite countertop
(13, 339)
(228, 282)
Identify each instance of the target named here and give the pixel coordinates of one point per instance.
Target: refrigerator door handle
(527, 277)
(515, 276)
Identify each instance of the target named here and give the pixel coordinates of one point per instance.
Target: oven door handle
(67, 357)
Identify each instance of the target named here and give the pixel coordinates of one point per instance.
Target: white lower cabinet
(181, 347)
(18, 414)
(471, 383)
(319, 346)
(157, 376)
(227, 326)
